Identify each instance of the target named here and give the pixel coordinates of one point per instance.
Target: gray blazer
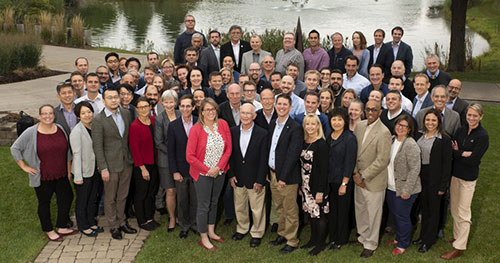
(161, 139)
(83, 165)
(247, 59)
(59, 118)
(407, 168)
(451, 120)
(25, 148)
(208, 63)
(111, 150)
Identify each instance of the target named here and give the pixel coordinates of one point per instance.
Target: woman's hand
(466, 154)
(213, 172)
(440, 192)
(342, 190)
(319, 198)
(78, 182)
(404, 196)
(30, 170)
(178, 177)
(454, 145)
(145, 173)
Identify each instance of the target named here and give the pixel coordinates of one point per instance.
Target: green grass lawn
(21, 238)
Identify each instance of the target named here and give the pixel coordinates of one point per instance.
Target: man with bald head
(267, 66)
(287, 87)
(455, 103)
(256, 55)
(398, 70)
(248, 175)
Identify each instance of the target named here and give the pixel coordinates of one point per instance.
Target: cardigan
(83, 165)
(162, 122)
(467, 168)
(141, 142)
(407, 168)
(342, 156)
(24, 148)
(318, 180)
(196, 146)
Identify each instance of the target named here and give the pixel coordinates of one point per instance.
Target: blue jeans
(400, 210)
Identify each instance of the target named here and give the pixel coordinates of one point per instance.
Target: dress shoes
(278, 241)
(155, 224)
(195, 231)
(228, 222)
(255, 242)
(274, 228)
(334, 246)
(316, 250)
(424, 248)
(308, 245)
(116, 233)
(366, 253)
(398, 251)
(417, 242)
(74, 231)
(287, 249)
(128, 229)
(213, 248)
(183, 234)
(98, 229)
(238, 236)
(92, 233)
(146, 226)
(454, 253)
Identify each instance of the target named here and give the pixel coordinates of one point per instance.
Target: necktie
(154, 112)
(433, 77)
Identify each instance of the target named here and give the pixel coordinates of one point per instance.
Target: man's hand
(178, 177)
(105, 176)
(257, 188)
(281, 184)
(233, 181)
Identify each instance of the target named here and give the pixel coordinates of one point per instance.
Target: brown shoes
(454, 253)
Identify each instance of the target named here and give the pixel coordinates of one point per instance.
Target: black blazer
(287, 153)
(342, 156)
(318, 181)
(261, 119)
(226, 114)
(253, 167)
(177, 143)
(208, 63)
(440, 164)
(383, 58)
(227, 50)
(460, 106)
(404, 54)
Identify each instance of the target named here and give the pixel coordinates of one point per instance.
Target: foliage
(59, 29)
(46, 26)
(77, 31)
(8, 24)
(32, 7)
(19, 51)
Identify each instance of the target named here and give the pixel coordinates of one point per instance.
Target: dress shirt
(245, 139)
(187, 125)
(395, 49)
(376, 51)
(451, 103)
(270, 117)
(217, 53)
(418, 104)
(236, 114)
(432, 76)
(297, 105)
(117, 117)
(406, 103)
(255, 57)
(316, 60)
(97, 103)
(70, 116)
(116, 78)
(274, 142)
(357, 83)
(257, 105)
(426, 146)
(236, 51)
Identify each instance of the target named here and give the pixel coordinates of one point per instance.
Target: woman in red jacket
(145, 173)
(208, 151)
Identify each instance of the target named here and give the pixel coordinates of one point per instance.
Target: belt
(272, 170)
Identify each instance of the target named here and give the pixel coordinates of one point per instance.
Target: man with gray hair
(235, 47)
(436, 76)
(256, 55)
(289, 55)
(197, 41)
(338, 52)
(183, 41)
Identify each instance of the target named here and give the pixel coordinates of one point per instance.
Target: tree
(457, 41)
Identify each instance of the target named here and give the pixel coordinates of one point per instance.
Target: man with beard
(336, 81)
(254, 72)
(210, 57)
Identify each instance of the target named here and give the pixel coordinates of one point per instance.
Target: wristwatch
(344, 184)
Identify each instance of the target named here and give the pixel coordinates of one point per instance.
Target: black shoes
(93, 233)
(274, 228)
(228, 222)
(155, 224)
(116, 233)
(147, 226)
(334, 246)
(238, 236)
(255, 242)
(128, 229)
(278, 241)
(424, 248)
(308, 245)
(183, 234)
(367, 253)
(440, 234)
(417, 242)
(98, 229)
(287, 249)
(316, 250)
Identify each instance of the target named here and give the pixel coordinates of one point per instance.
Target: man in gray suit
(254, 55)
(455, 103)
(110, 141)
(450, 118)
(370, 176)
(210, 57)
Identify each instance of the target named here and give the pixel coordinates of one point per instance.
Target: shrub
(8, 20)
(77, 31)
(29, 24)
(46, 24)
(59, 26)
(19, 51)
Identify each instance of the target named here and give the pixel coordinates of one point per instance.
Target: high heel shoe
(91, 234)
(57, 239)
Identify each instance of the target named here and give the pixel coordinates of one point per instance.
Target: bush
(46, 24)
(59, 26)
(77, 31)
(19, 51)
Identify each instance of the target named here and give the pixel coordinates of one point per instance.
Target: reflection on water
(144, 25)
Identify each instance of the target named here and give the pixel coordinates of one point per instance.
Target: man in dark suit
(455, 103)
(110, 141)
(379, 52)
(338, 52)
(210, 57)
(64, 114)
(248, 175)
(178, 132)
(423, 98)
(285, 144)
(235, 45)
(393, 101)
(267, 114)
(398, 70)
(400, 50)
(436, 76)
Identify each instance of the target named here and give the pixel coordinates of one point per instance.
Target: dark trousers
(430, 204)
(186, 203)
(208, 190)
(228, 200)
(145, 191)
(86, 201)
(400, 210)
(340, 216)
(64, 197)
(445, 204)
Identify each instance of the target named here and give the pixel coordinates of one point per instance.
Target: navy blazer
(209, 93)
(342, 156)
(427, 103)
(262, 121)
(227, 50)
(226, 113)
(177, 143)
(287, 152)
(383, 58)
(253, 167)
(404, 54)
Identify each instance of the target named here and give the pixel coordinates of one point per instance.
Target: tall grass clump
(77, 31)
(29, 24)
(8, 20)
(19, 51)
(59, 26)
(46, 24)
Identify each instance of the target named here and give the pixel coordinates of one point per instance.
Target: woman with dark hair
(195, 79)
(342, 154)
(145, 173)
(472, 142)
(181, 74)
(436, 155)
(208, 151)
(403, 183)
(84, 169)
(43, 152)
(198, 97)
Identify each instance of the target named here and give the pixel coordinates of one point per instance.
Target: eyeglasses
(167, 67)
(112, 97)
(402, 126)
(254, 69)
(143, 107)
(210, 110)
(123, 94)
(371, 110)
(249, 90)
(112, 61)
(102, 73)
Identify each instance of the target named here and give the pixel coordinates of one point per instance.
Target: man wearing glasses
(254, 71)
(183, 41)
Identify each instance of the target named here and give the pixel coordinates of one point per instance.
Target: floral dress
(309, 204)
(214, 148)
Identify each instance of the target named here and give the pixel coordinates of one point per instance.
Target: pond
(154, 25)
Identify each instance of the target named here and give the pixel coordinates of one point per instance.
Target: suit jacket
(407, 168)
(208, 92)
(162, 123)
(261, 120)
(227, 50)
(177, 144)
(59, 119)
(460, 107)
(451, 120)
(226, 113)
(248, 59)
(442, 79)
(441, 155)
(404, 54)
(287, 152)
(342, 156)
(383, 58)
(373, 155)
(427, 103)
(83, 165)
(208, 63)
(252, 168)
(111, 150)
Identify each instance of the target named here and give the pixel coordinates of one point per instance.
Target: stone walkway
(101, 249)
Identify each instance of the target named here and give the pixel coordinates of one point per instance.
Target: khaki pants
(285, 200)
(116, 196)
(461, 193)
(243, 196)
(368, 206)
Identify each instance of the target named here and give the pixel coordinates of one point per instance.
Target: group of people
(338, 140)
